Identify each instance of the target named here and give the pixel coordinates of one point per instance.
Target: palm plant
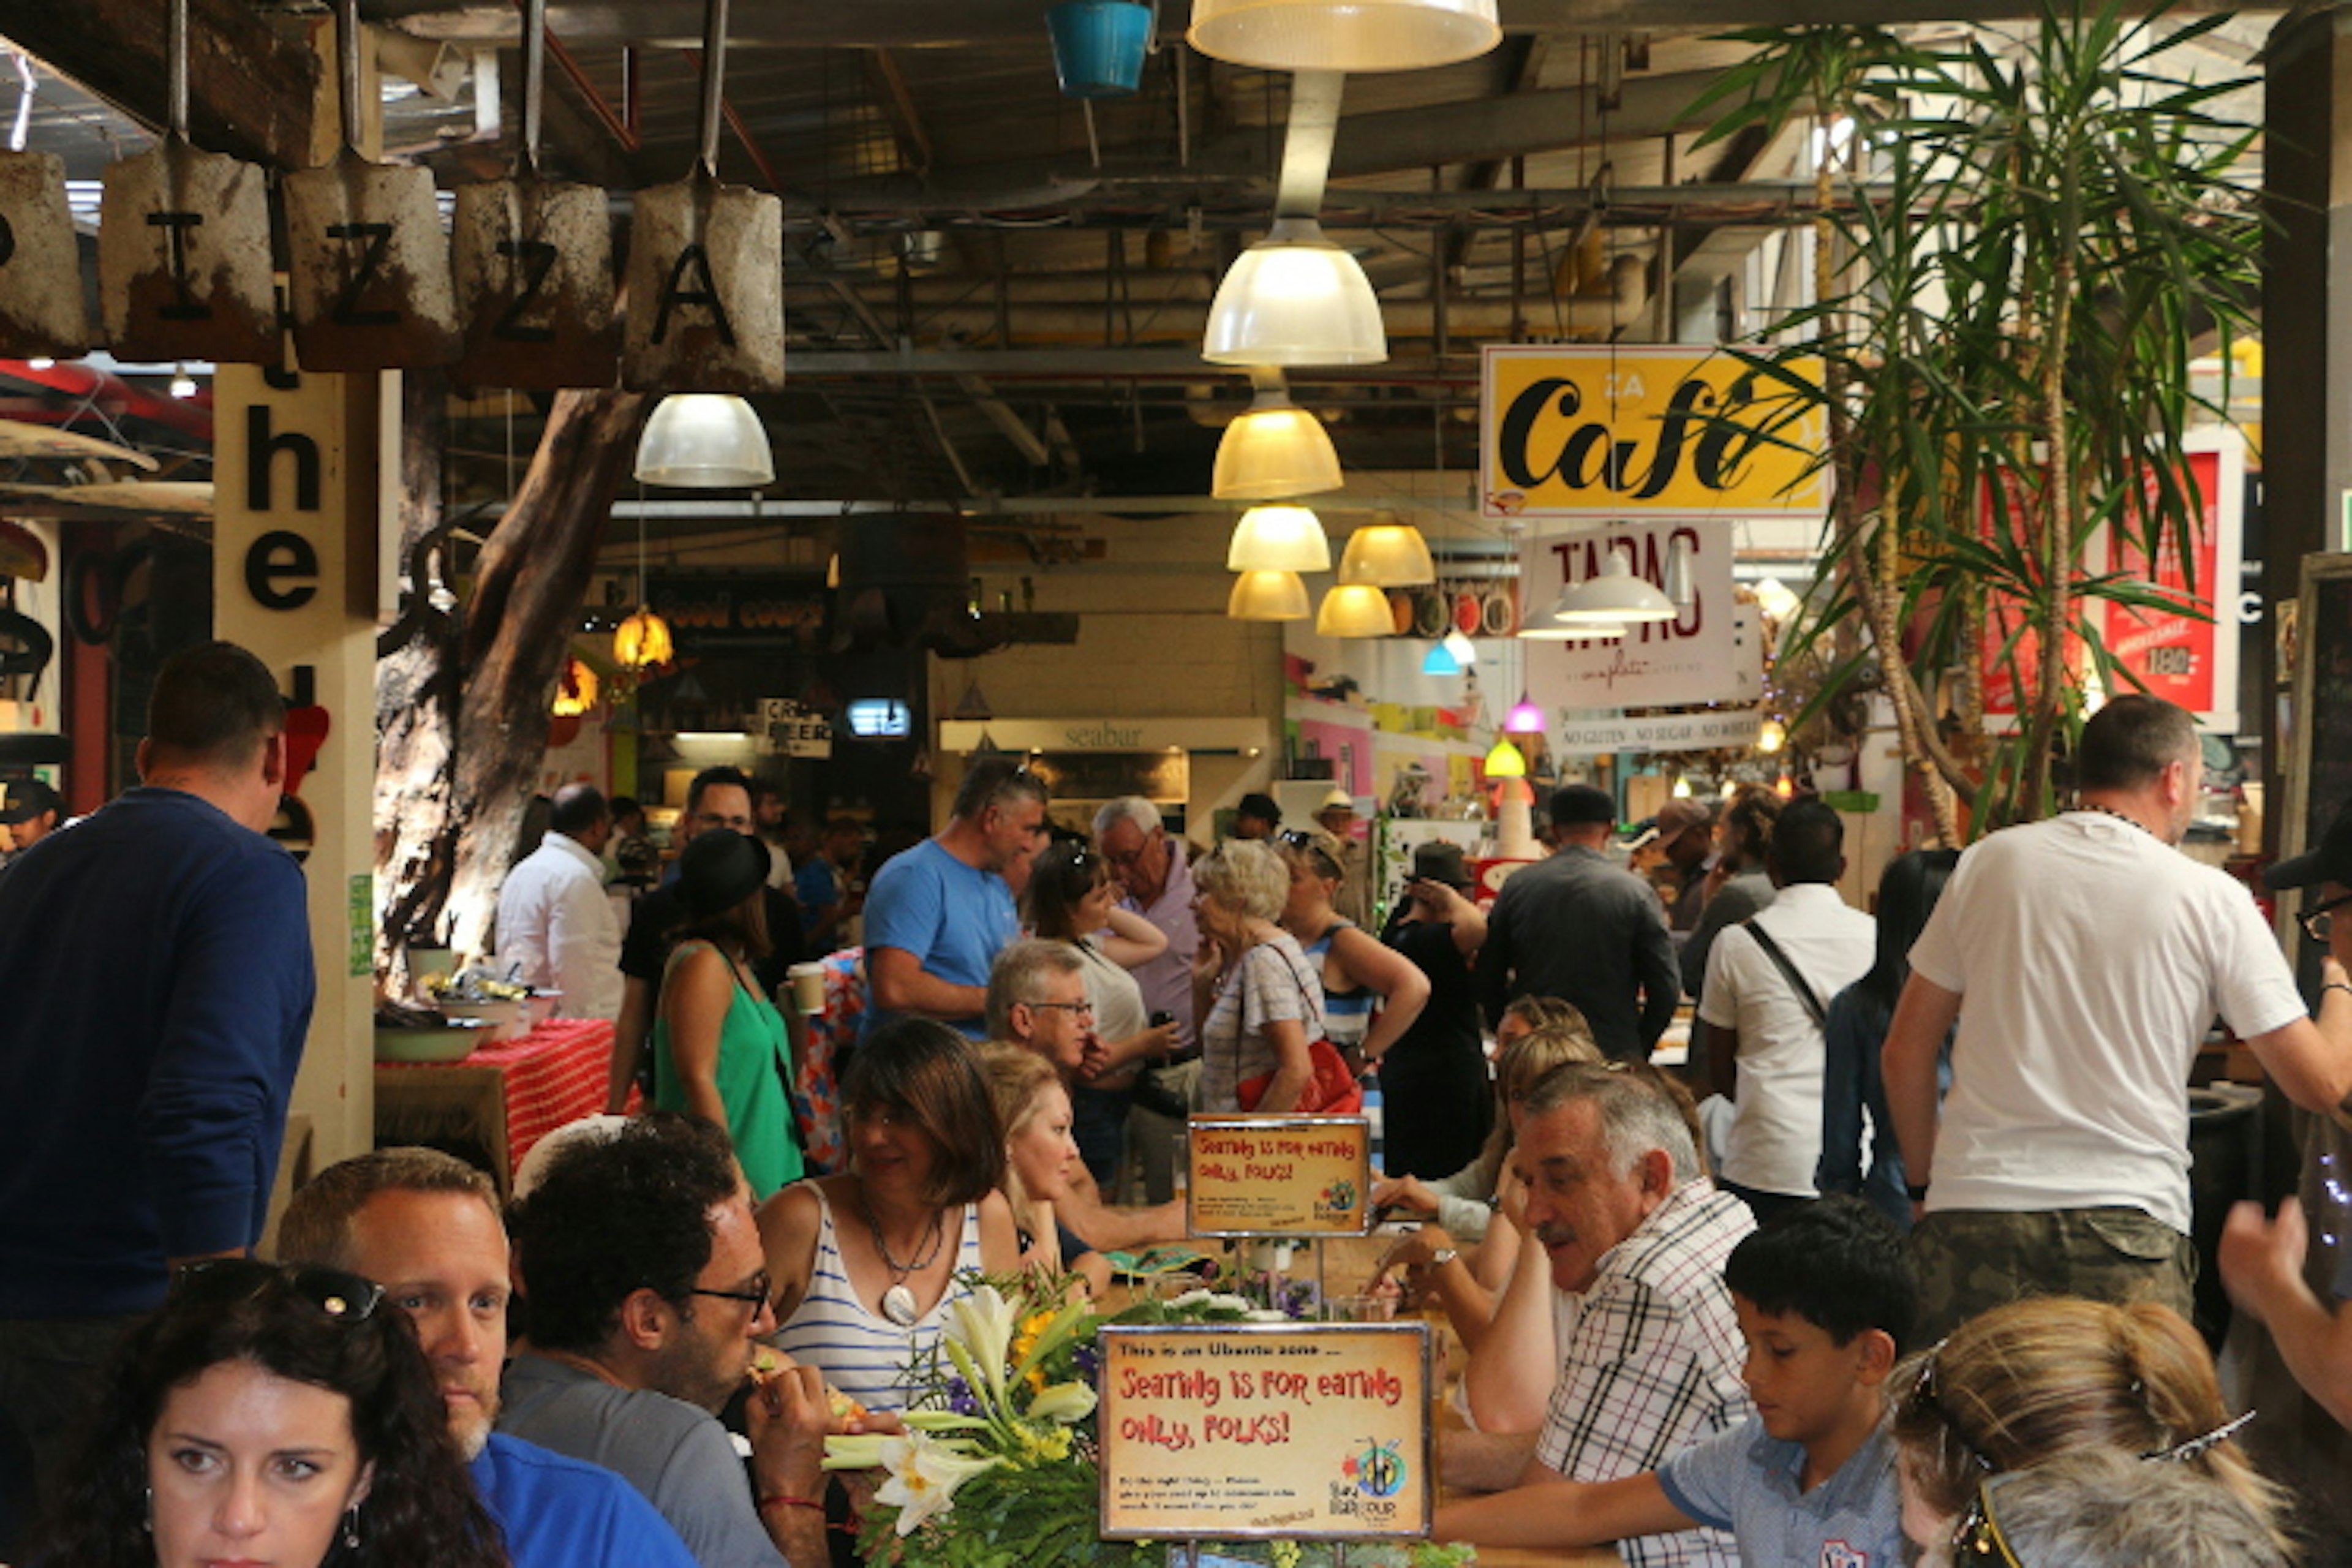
(2020, 250)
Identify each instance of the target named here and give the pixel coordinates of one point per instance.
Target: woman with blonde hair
(1040, 1152)
(2022, 1384)
(1253, 991)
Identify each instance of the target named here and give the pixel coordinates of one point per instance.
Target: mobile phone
(1162, 1020)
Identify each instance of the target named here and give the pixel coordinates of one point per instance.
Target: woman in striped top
(865, 1262)
(1357, 971)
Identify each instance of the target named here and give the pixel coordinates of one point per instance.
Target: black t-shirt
(644, 951)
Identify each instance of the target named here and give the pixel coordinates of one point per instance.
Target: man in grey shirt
(1587, 932)
(645, 1285)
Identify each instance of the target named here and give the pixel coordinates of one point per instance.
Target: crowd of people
(1697, 1329)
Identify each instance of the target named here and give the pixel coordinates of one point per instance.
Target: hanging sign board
(41, 310)
(1597, 432)
(1279, 1175)
(786, 731)
(1303, 1431)
(1660, 733)
(1709, 653)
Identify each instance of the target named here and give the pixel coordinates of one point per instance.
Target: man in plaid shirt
(1616, 1196)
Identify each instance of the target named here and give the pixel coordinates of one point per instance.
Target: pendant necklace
(898, 1301)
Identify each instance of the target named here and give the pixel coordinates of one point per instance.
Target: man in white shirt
(1766, 1019)
(2091, 955)
(553, 918)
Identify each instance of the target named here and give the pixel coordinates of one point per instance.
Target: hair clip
(1977, 1538)
(2180, 1453)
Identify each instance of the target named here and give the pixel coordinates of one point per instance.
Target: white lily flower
(983, 1323)
(924, 1475)
(1217, 1300)
(1067, 1403)
(858, 1451)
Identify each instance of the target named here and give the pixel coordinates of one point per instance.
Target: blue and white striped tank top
(862, 1353)
(1347, 1015)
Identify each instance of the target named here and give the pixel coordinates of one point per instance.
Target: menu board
(1279, 1175)
(1305, 1431)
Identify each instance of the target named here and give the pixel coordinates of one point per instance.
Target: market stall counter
(491, 1107)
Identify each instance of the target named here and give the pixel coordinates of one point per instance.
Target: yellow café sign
(1595, 431)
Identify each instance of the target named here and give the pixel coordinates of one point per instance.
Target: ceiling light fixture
(1613, 595)
(1506, 762)
(1464, 651)
(705, 441)
(1343, 35)
(1440, 660)
(1275, 450)
(1295, 299)
(1268, 596)
(1354, 610)
(1525, 718)
(1387, 554)
(1278, 539)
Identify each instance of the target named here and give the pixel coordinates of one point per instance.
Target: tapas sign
(1306, 1431)
(1279, 1175)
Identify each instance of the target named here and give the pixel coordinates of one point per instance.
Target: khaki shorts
(1972, 1260)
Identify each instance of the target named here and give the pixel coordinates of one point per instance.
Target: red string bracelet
(780, 1500)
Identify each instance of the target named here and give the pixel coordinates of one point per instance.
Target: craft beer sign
(1597, 432)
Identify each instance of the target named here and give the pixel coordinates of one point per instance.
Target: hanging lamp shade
(1274, 451)
(1440, 660)
(1464, 651)
(1613, 595)
(1548, 626)
(1268, 596)
(1505, 761)
(1278, 539)
(575, 690)
(1524, 718)
(1343, 35)
(642, 641)
(1387, 556)
(705, 441)
(1354, 610)
(1295, 299)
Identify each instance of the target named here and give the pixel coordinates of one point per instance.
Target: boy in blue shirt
(1825, 1296)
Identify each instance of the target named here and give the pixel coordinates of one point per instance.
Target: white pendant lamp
(1268, 596)
(1295, 299)
(1278, 539)
(1343, 35)
(1464, 651)
(1387, 554)
(1274, 451)
(1548, 626)
(1612, 595)
(1354, 610)
(705, 441)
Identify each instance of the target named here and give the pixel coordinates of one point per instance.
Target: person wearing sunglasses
(269, 1415)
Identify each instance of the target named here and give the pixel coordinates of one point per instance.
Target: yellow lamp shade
(1278, 539)
(1354, 610)
(1268, 596)
(1387, 556)
(1295, 299)
(642, 641)
(1343, 35)
(1274, 451)
(575, 690)
(1506, 762)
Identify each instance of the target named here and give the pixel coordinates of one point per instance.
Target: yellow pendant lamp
(1387, 554)
(1278, 539)
(1275, 450)
(1268, 596)
(1354, 610)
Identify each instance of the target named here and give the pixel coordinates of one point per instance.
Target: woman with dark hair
(1371, 993)
(1855, 1026)
(1437, 1104)
(865, 1262)
(269, 1414)
(719, 1049)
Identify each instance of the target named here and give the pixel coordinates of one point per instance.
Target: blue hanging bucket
(1099, 46)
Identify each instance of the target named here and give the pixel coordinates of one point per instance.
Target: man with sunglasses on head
(425, 1228)
(157, 970)
(640, 1267)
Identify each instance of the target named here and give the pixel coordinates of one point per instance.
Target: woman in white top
(865, 1262)
(1256, 995)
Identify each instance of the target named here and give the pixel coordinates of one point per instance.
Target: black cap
(27, 799)
(1575, 804)
(720, 870)
(1258, 806)
(2331, 862)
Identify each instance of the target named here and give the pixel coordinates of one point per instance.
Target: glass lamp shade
(1354, 610)
(1343, 35)
(575, 690)
(705, 441)
(1440, 660)
(1613, 595)
(1550, 627)
(1268, 596)
(642, 641)
(1295, 299)
(1464, 651)
(1275, 450)
(1506, 762)
(1278, 539)
(1387, 556)
(1524, 718)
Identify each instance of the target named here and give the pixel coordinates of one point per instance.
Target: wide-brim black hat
(2330, 862)
(720, 870)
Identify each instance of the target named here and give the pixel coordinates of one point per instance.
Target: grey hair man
(1037, 997)
(1156, 882)
(556, 928)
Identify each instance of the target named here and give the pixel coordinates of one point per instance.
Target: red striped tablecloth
(523, 1088)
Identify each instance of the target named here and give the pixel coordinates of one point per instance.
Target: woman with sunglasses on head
(1253, 991)
(270, 1415)
(1356, 972)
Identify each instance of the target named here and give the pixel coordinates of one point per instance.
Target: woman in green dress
(719, 1047)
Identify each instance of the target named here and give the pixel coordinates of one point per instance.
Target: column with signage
(297, 482)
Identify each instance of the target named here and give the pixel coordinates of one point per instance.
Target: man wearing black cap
(1583, 929)
(1256, 816)
(30, 811)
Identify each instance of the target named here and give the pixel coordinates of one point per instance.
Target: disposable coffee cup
(808, 986)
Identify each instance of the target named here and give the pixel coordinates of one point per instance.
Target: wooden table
(494, 1105)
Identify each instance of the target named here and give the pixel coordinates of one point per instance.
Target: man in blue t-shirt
(426, 1225)
(937, 916)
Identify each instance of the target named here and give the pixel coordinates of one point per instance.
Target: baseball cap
(2330, 862)
(27, 799)
(1678, 816)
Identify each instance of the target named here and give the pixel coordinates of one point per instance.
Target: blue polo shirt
(562, 1514)
(1748, 1481)
(955, 918)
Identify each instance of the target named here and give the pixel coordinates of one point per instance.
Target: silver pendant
(899, 1305)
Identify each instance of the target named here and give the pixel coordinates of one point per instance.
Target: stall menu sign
(1279, 1175)
(1304, 1431)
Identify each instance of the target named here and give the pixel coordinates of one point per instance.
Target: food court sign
(1604, 433)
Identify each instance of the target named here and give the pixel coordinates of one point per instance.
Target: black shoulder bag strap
(1797, 983)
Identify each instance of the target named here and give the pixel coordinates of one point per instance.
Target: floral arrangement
(997, 1465)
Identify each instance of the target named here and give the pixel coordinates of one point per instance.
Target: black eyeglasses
(760, 1292)
(1062, 1006)
(2317, 923)
(225, 1282)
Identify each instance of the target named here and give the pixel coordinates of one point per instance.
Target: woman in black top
(1435, 1103)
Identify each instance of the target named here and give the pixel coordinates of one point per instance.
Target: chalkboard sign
(2319, 743)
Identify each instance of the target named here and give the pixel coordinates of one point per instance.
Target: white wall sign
(1670, 732)
(1705, 655)
(785, 729)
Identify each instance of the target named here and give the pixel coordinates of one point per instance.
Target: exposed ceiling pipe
(1306, 144)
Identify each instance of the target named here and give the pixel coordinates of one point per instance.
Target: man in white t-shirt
(556, 928)
(2084, 958)
(1767, 1024)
